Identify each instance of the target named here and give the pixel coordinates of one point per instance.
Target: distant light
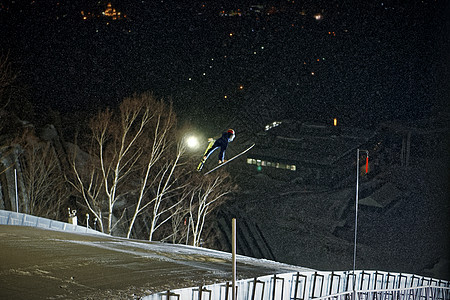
(318, 17)
(272, 125)
(335, 122)
(312, 73)
(192, 142)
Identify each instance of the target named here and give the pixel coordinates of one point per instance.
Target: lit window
(272, 125)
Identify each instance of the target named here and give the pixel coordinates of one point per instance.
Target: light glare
(192, 142)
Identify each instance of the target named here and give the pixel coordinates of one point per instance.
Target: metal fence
(363, 285)
(19, 219)
(414, 293)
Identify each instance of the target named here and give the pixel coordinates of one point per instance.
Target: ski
(234, 157)
(202, 162)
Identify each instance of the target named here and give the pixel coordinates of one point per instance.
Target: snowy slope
(42, 264)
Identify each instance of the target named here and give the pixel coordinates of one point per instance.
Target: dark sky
(361, 61)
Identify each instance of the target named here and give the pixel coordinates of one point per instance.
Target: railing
(363, 285)
(414, 293)
(19, 219)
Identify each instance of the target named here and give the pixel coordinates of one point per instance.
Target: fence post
(255, 282)
(170, 294)
(274, 285)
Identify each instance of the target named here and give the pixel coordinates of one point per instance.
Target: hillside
(403, 221)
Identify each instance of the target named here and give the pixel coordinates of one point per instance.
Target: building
(307, 153)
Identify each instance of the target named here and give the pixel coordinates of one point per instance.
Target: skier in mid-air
(221, 143)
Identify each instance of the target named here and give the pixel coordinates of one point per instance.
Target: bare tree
(178, 221)
(114, 154)
(135, 156)
(209, 193)
(165, 186)
(42, 176)
(155, 147)
(179, 214)
(88, 183)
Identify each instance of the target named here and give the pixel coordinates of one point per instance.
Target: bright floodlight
(192, 142)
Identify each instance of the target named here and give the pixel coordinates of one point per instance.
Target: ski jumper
(221, 143)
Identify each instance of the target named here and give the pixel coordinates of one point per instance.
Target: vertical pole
(187, 235)
(233, 258)
(274, 285)
(226, 290)
(402, 153)
(408, 148)
(356, 219)
(17, 194)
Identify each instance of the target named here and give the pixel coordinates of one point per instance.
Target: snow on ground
(47, 264)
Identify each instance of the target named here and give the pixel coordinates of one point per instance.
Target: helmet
(231, 134)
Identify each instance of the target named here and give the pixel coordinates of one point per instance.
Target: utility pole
(356, 211)
(17, 193)
(233, 257)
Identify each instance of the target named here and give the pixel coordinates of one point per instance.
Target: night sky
(364, 62)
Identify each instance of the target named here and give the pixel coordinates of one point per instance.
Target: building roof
(382, 197)
(303, 143)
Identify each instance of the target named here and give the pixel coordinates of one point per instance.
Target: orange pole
(367, 164)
